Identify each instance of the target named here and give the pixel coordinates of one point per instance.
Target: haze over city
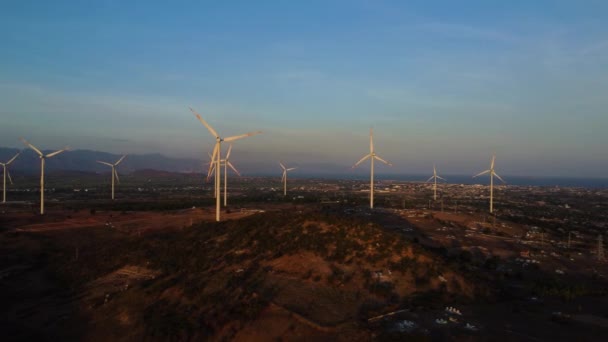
(448, 83)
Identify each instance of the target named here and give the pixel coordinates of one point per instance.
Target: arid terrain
(297, 269)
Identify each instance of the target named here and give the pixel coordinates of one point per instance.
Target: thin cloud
(468, 32)
(301, 75)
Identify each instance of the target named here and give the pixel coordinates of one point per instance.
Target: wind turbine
(435, 177)
(492, 174)
(284, 179)
(372, 155)
(43, 157)
(114, 173)
(226, 162)
(217, 152)
(6, 173)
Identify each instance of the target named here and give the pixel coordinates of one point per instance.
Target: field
(309, 267)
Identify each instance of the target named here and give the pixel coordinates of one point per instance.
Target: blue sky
(441, 82)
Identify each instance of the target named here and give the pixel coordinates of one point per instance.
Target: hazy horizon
(446, 83)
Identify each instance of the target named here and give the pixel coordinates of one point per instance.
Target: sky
(446, 83)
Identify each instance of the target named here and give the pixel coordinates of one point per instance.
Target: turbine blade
(116, 175)
(442, 178)
(492, 162)
(384, 161)
(211, 130)
(9, 175)
(12, 159)
(290, 169)
(481, 173)
(282, 166)
(237, 137)
(371, 140)
(234, 169)
(212, 165)
(229, 150)
(361, 160)
(105, 163)
(211, 171)
(284, 175)
(55, 153)
(120, 160)
(497, 176)
(32, 147)
(428, 180)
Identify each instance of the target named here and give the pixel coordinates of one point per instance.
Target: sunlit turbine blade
(237, 137)
(284, 175)
(233, 168)
(211, 172)
(228, 153)
(211, 130)
(497, 176)
(12, 159)
(361, 160)
(481, 173)
(55, 153)
(282, 166)
(384, 161)
(290, 169)
(371, 140)
(105, 163)
(120, 160)
(116, 175)
(443, 179)
(492, 162)
(428, 180)
(8, 174)
(213, 159)
(32, 147)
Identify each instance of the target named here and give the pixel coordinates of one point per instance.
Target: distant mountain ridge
(86, 161)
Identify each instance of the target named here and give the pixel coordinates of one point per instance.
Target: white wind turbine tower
(284, 179)
(435, 177)
(492, 174)
(6, 173)
(372, 155)
(217, 152)
(226, 162)
(43, 157)
(114, 173)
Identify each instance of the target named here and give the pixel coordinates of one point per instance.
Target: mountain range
(86, 160)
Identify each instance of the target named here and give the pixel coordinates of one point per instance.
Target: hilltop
(295, 274)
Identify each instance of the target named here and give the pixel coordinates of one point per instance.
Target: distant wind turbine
(114, 173)
(217, 152)
(284, 179)
(435, 177)
(43, 157)
(492, 174)
(6, 173)
(372, 155)
(226, 162)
